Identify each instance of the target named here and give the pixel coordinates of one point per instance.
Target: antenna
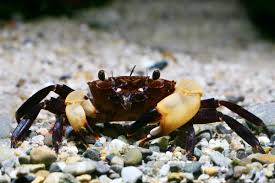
(132, 70)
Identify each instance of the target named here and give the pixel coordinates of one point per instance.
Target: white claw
(76, 116)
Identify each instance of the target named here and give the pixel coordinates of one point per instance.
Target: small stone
(272, 151)
(79, 168)
(48, 140)
(114, 176)
(222, 129)
(175, 176)
(104, 179)
(118, 180)
(73, 159)
(42, 173)
(241, 154)
(6, 153)
(272, 139)
(117, 147)
(25, 179)
(57, 166)
(131, 174)
(102, 167)
(24, 159)
(43, 155)
(176, 166)
(269, 170)
(145, 152)
(116, 160)
(133, 157)
(193, 167)
(154, 148)
(263, 158)
(161, 142)
(188, 176)
(218, 144)
(219, 159)
(240, 170)
(197, 152)
(84, 178)
(212, 171)
(38, 179)
(123, 139)
(38, 139)
(67, 178)
(117, 168)
(203, 177)
(5, 125)
(33, 167)
(4, 179)
(92, 154)
(58, 177)
(165, 169)
(264, 140)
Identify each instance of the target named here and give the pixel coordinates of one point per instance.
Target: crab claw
(178, 108)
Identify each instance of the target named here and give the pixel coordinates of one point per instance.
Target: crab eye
(101, 75)
(156, 75)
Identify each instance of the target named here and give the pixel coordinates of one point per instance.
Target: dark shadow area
(30, 9)
(262, 14)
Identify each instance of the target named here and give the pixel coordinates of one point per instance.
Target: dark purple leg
(188, 132)
(53, 105)
(212, 103)
(148, 117)
(26, 107)
(210, 115)
(57, 132)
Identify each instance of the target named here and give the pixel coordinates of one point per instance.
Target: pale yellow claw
(76, 116)
(79, 97)
(179, 107)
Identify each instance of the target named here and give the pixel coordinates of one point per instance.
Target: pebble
(117, 147)
(84, 178)
(263, 158)
(57, 166)
(6, 153)
(131, 174)
(193, 167)
(212, 171)
(188, 176)
(176, 166)
(32, 167)
(104, 179)
(218, 144)
(38, 179)
(165, 169)
(25, 179)
(264, 140)
(222, 129)
(92, 154)
(5, 125)
(73, 159)
(79, 168)
(269, 170)
(43, 155)
(219, 159)
(240, 170)
(116, 168)
(116, 160)
(58, 177)
(42, 173)
(4, 179)
(161, 142)
(175, 176)
(272, 139)
(102, 167)
(114, 176)
(133, 157)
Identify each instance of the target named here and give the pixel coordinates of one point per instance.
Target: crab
(172, 105)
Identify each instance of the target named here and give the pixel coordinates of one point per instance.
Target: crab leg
(53, 105)
(36, 98)
(210, 115)
(148, 117)
(212, 103)
(57, 132)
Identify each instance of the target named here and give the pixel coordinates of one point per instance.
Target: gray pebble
(5, 125)
(116, 160)
(165, 169)
(272, 139)
(117, 168)
(57, 166)
(193, 167)
(219, 159)
(43, 155)
(4, 179)
(131, 174)
(114, 176)
(222, 130)
(6, 153)
(133, 157)
(154, 148)
(104, 179)
(102, 167)
(79, 168)
(176, 166)
(161, 142)
(92, 154)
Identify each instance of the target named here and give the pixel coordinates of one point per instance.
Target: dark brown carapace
(175, 105)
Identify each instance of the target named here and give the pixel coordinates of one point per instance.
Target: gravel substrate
(34, 55)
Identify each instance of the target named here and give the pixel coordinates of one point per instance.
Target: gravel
(40, 53)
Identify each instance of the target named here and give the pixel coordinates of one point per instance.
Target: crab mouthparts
(126, 103)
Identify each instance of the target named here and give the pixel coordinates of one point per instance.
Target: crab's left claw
(173, 111)
(78, 106)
